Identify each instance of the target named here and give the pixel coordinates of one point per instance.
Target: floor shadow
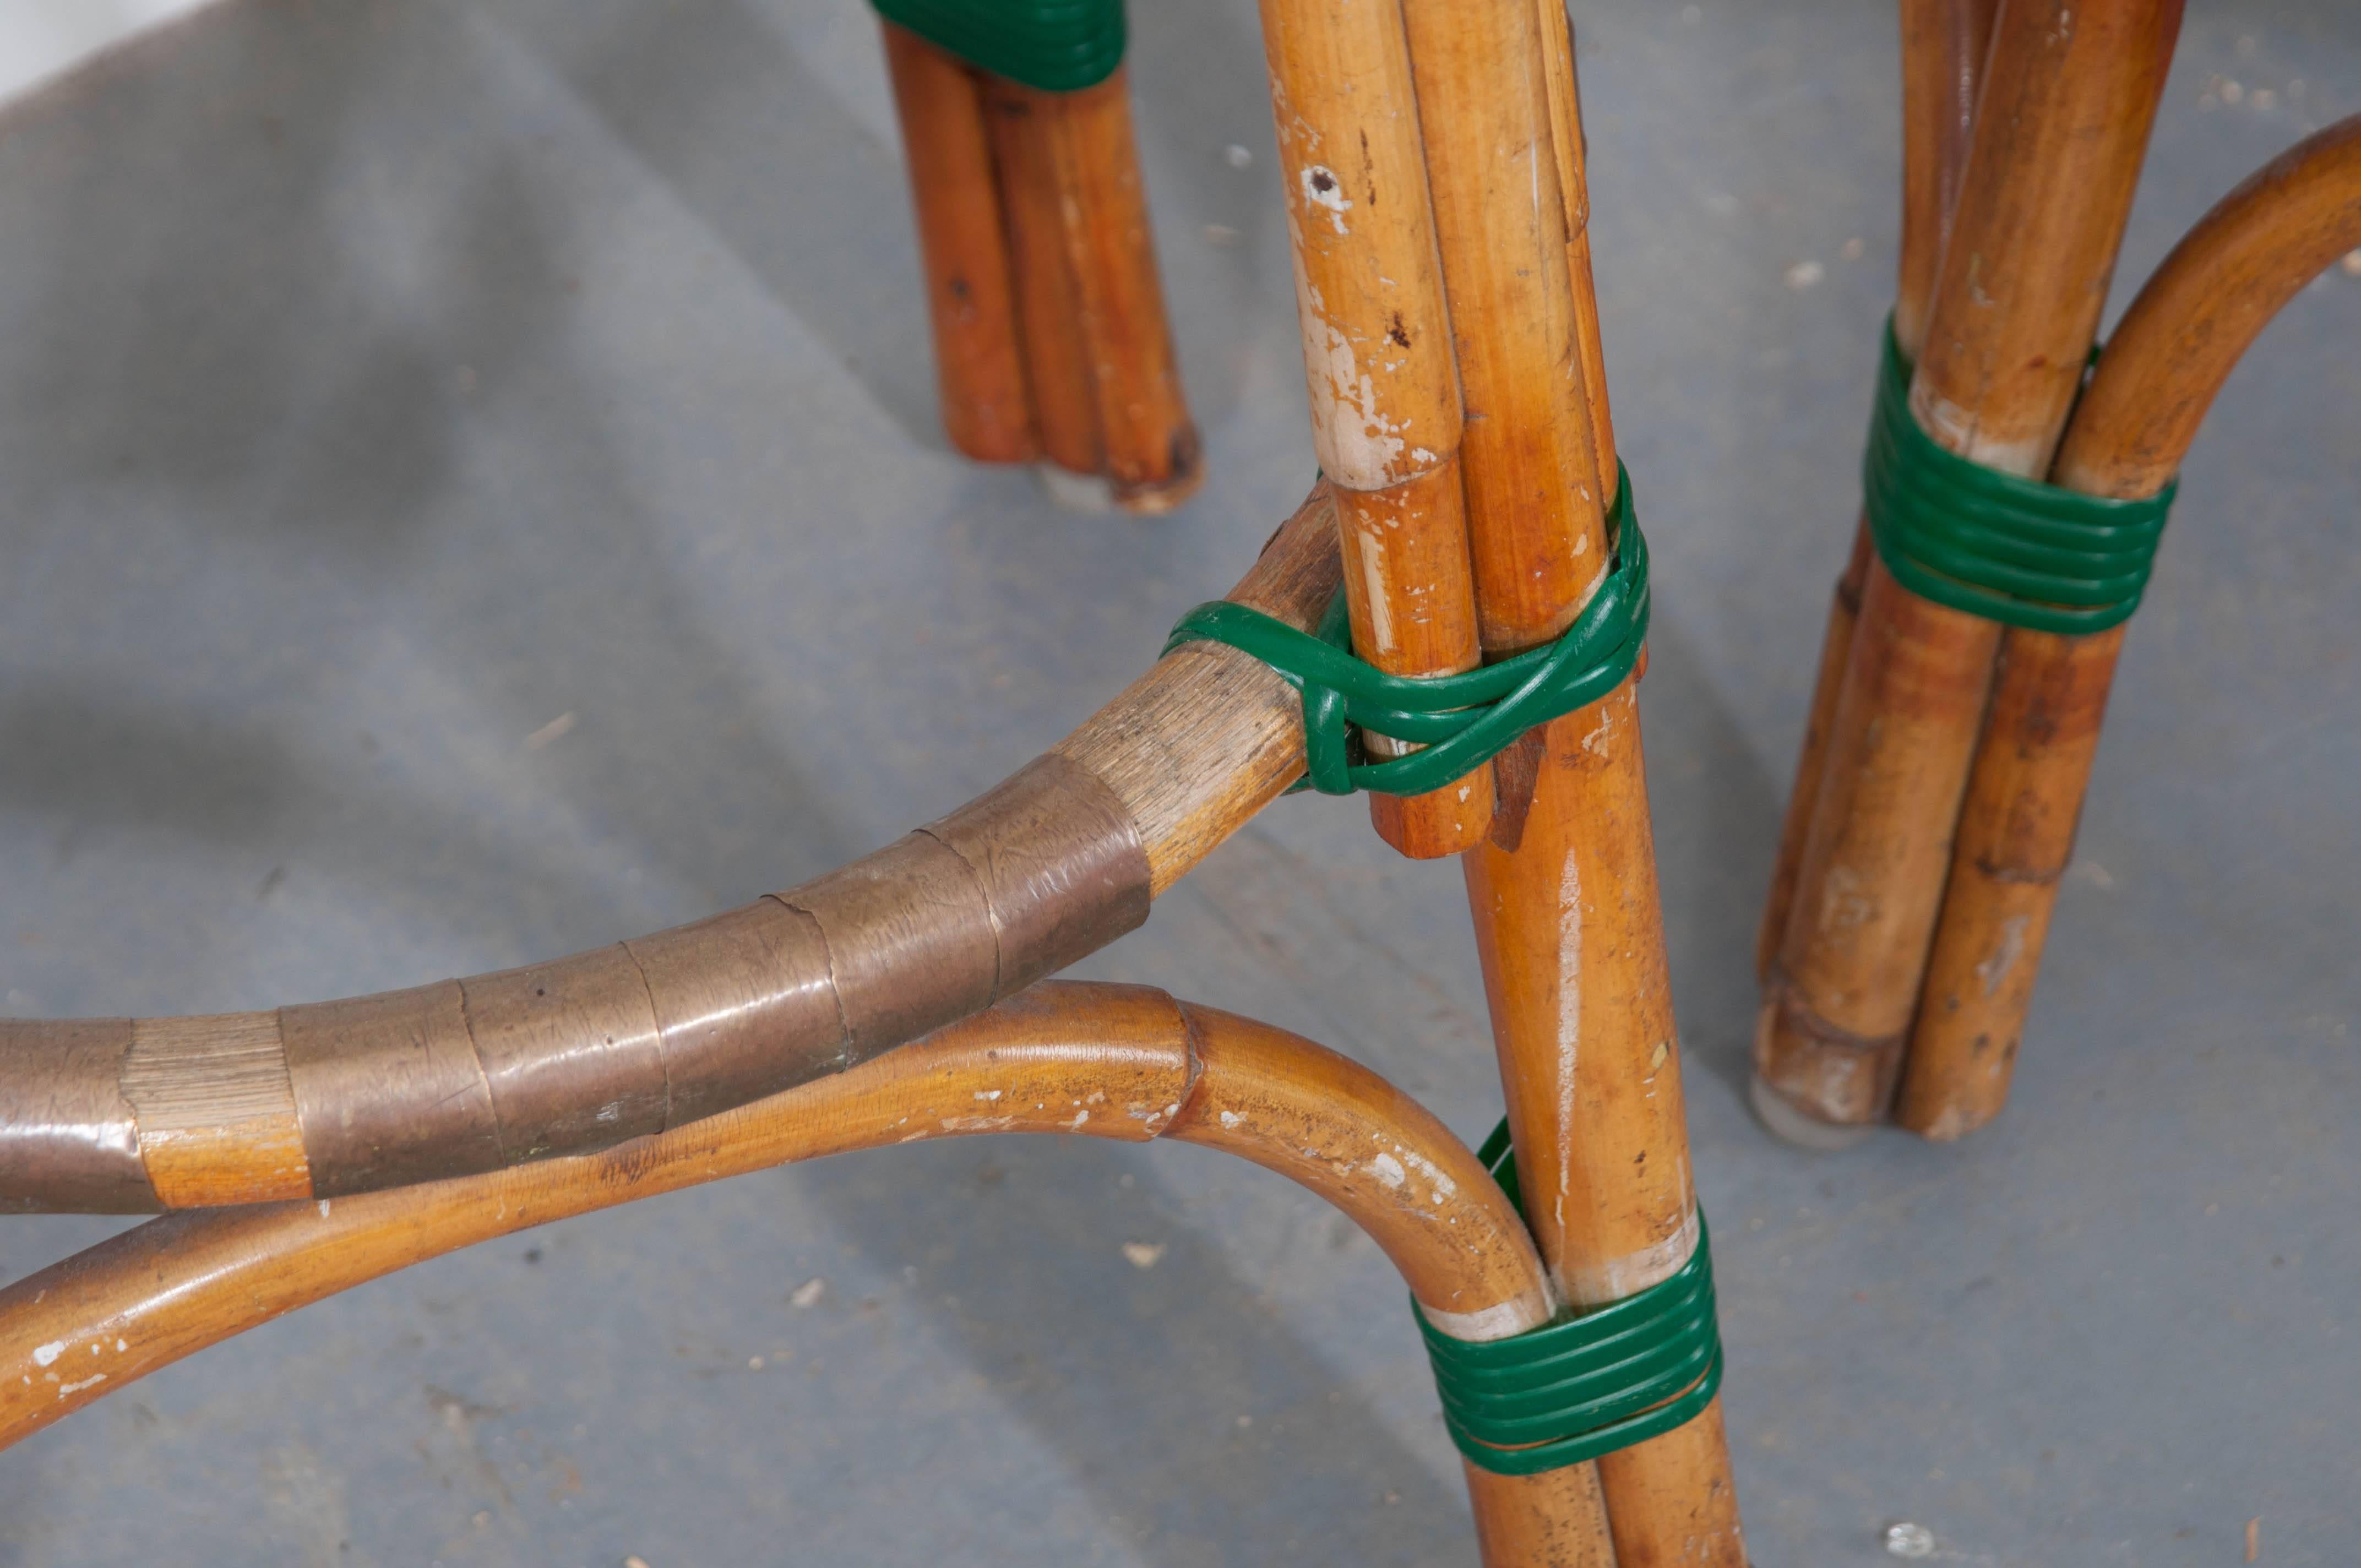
(1717, 814)
(1199, 89)
(237, 359)
(764, 153)
(1139, 1379)
(171, 208)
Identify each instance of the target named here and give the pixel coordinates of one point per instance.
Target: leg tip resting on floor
(1799, 1128)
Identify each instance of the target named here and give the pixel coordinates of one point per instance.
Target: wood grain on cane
(1535, 508)
(1153, 456)
(1943, 47)
(1570, 147)
(1944, 44)
(215, 1110)
(1098, 351)
(1019, 122)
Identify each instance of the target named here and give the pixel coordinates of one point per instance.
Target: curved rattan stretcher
(319, 1146)
(331, 1099)
(1109, 1061)
(314, 1147)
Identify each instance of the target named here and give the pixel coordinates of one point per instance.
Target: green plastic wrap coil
(2008, 549)
(1058, 46)
(1460, 721)
(1572, 1390)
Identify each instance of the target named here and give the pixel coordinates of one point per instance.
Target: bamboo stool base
(1769, 1380)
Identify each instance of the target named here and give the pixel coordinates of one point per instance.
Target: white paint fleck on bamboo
(1505, 1320)
(1322, 189)
(1596, 1284)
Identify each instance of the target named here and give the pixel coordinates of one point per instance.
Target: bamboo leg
(980, 371)
(2016, 837)
(2178, 342)
(1379, 369)
(1022, 122)
(1567, 922)
(1943, 44)
(1148, 445)
(2070, 95)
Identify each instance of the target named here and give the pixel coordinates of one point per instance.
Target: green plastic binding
(1461, 721)
(1058, 46)
(1572, 1390)
(1994, 545)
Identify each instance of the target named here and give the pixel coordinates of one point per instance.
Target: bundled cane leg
(1055, 300)
(1381, 376)
(1566, 919)
(2175, 347)
(1943, 44)
(2059, 133)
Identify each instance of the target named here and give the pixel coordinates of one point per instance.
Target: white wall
(40, 39)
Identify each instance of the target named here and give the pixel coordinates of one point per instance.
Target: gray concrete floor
(381, 383)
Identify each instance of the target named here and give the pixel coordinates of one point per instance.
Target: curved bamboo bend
(1113, 1061)
(2196, 317)
(127, 1116)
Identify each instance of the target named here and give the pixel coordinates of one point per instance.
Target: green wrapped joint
(1572, 1390)
(2008, 549)
(1460, 721)
(1058, 46)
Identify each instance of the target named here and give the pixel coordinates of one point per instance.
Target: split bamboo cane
(979, 370)
(1105, 381)
(2070, 93)
(1566, 917)
(1943, 47)
(1113, 1061)
(1378, 367)
(2183, 334)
